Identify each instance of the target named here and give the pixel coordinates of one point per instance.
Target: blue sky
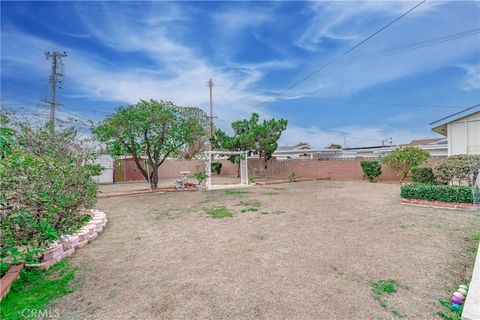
(121, 52)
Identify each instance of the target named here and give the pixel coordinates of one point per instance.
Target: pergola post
(208, 169)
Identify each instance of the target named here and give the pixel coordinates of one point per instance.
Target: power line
(391, 51)
(311, 74)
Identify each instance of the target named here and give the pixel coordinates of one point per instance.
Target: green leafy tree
(404, 159)
(267, 135)
(157, 129)
(253, 137)
(200, 141)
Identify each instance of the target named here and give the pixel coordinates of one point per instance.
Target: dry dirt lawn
(311, 251)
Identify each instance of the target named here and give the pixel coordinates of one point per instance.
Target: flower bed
(60, 250)
(68, 244)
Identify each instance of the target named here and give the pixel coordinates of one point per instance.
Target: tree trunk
(265, 166)
(154, 178)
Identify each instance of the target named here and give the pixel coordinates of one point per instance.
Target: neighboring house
(107, 164)
(436, 146)
(300, 151)
(462, 130)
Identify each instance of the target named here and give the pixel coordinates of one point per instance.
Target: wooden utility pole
(56, 62)
(210, 85)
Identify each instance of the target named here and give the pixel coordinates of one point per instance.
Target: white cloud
(345, 20)
(471, 80)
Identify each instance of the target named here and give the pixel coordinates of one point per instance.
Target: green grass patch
(3, 268)
(249, 210)
(277, 188)
(35, 290)
(218, 212)
(250, 203)
(382, 287)
(235, 192)
(474, 247)
(272, 193)
(397, 314)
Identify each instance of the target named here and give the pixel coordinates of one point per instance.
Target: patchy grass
(382, 287)
(235, 192)
(277, 188)
(474, 247)
(250, 203)
(218, 212)
(397, 314)
(249, 210)
(35, 290)
(3, 268)
(272, 193)
(138, 238)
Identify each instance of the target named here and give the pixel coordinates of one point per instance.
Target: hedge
(446, 193)
(423, 175)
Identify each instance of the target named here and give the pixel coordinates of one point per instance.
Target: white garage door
(473, 131)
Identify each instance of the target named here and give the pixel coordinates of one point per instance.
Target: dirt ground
(311, 251)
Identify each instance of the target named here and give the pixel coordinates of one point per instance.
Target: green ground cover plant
(219, 212)
(31, 294)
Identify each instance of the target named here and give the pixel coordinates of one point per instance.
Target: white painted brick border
(68, 245)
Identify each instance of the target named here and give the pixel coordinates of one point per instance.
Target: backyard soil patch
(311, 251)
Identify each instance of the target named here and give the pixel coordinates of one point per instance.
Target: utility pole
(57, 70)
(210, 85)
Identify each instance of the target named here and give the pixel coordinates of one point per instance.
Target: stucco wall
(464, 135)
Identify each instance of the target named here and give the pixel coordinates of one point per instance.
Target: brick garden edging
(67, 246)
(440, 204)
(9, 278)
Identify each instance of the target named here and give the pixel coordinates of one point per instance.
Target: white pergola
(243, 169)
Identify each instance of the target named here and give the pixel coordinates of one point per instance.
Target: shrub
(44, 185)
(201, 177)
(216, 167)
(292, 177)
(423, 175)
(432, 192)
(404, 159)
(371, 170)
(457, 169)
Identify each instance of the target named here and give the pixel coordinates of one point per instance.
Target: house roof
(297, 147)
(421, 142)
(440, 126)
